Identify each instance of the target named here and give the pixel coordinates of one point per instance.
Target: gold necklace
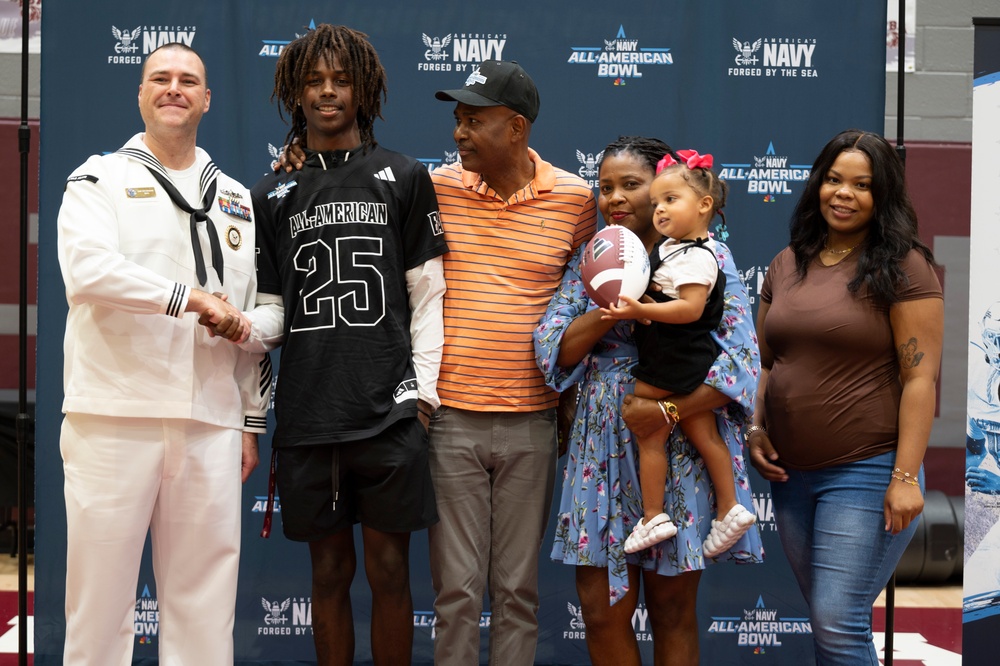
(832, 251)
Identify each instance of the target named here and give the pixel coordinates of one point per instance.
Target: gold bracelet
(905, 479)
(906, 475)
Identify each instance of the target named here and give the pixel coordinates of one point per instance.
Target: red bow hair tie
(692, 160)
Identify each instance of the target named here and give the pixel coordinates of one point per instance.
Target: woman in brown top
(850, 326)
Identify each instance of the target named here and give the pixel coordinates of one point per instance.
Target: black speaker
(935, 553)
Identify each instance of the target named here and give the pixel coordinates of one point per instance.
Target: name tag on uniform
(140, 192)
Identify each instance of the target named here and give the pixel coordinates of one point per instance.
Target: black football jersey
(335, 241)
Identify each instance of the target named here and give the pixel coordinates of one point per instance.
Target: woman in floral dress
(600, 501)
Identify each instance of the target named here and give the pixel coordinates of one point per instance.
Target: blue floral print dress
(601, 501)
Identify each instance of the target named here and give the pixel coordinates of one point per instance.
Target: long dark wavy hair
(356, 56)
(892, 231)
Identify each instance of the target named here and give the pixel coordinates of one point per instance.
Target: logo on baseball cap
(497, 83)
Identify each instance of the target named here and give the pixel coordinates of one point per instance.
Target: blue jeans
(832, 529)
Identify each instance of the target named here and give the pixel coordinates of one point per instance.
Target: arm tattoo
(909, 357)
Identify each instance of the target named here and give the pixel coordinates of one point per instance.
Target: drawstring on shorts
(335, 475)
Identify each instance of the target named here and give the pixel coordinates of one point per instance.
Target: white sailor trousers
(180, 479)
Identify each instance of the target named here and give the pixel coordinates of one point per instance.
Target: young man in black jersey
(350, 285)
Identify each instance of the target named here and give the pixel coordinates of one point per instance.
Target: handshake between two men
(220, 317)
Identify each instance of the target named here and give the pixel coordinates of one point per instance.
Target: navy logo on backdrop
(436, 47)
(782, 57)
(464, 49)
(126, 39)
(125, 47)
(753, 279)
(152, 37)
(745, 52)
(589, 164)
(578, 630)
(156, 36)
(276, 621)
(577, 613)
(275, 153)
(769, 174)
(275, 611)
(619, 58)
(760, 628)
(762, 504)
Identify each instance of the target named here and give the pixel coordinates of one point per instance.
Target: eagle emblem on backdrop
(126, 40)
(745, 51)
(589, 162)
(436, 47)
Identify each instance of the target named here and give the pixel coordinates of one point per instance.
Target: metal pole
(901, 83)
(24, 143)
(890, 590)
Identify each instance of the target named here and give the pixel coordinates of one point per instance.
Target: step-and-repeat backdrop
(762, 86)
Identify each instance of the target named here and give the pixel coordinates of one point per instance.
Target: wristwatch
(671, 410)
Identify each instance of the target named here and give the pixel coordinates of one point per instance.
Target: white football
(614, 263)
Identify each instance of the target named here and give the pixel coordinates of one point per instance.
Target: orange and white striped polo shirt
(505, 260)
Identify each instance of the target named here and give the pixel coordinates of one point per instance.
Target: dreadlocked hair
(647, 149)
(354, 54)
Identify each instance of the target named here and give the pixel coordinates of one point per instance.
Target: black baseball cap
(497, 83)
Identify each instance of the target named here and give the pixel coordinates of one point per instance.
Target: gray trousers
(493, 476)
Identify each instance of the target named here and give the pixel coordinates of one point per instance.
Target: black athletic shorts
(383, 482)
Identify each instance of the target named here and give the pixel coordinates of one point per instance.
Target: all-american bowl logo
(432, 163)
(619, 58)
(784, 57)
(760, 627)
(578, 630)
(423, 620)
(589, 163)
(769, 174)
(291, 616)
(272, 48)
(260, 504)
(147, 617)
(456, 51)
(150, 37)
